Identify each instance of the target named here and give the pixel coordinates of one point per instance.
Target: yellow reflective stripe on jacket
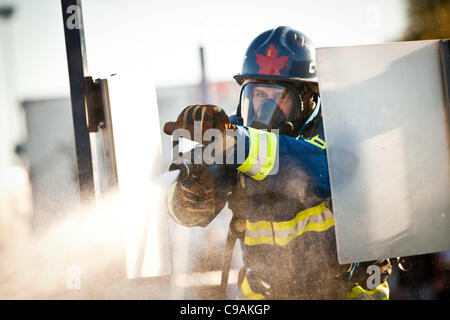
(271, 157)
(379, 293)
(318, 219)
(246, 292)
(316, 141)
(253, 152)
(262, 154)
(283, 225)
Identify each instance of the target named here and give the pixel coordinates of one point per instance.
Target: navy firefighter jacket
(289, 243)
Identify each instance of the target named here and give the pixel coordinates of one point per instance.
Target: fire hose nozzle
(191, 163)
(183, 166)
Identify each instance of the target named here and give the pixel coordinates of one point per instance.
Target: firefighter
(279, 192)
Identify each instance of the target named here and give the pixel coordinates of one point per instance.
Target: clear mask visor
(266, 106)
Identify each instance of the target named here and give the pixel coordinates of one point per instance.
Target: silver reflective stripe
(363, 296)
(261, 158)
(302, 224)
(258, 233)
(382, 293)
(283, 233)
(262, 155)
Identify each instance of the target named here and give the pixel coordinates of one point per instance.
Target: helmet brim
(241, 78)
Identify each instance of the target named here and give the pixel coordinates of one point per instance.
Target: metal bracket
(95, 112)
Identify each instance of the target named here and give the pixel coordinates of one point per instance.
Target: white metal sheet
(387, 132)
(138, 158)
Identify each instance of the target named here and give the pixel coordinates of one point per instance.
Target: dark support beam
(444, 51)
(77, 64)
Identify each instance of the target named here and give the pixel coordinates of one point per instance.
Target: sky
(161, 38)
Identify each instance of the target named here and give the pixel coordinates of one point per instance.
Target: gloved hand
(208, 117)
(194, 203)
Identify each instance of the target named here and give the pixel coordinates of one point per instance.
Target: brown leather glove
(209, 116)
(194, 203)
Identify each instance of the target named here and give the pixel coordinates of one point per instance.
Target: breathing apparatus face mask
(268, 106)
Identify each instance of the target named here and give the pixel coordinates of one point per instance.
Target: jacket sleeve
(293, 167)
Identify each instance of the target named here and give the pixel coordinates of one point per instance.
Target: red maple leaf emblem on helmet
(270, 63)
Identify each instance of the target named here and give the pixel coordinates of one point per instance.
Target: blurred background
(164, 40)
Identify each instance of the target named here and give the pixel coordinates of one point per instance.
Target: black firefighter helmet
(279, 82)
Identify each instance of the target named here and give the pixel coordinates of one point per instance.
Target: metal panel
(387, 133)
(134, 119)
